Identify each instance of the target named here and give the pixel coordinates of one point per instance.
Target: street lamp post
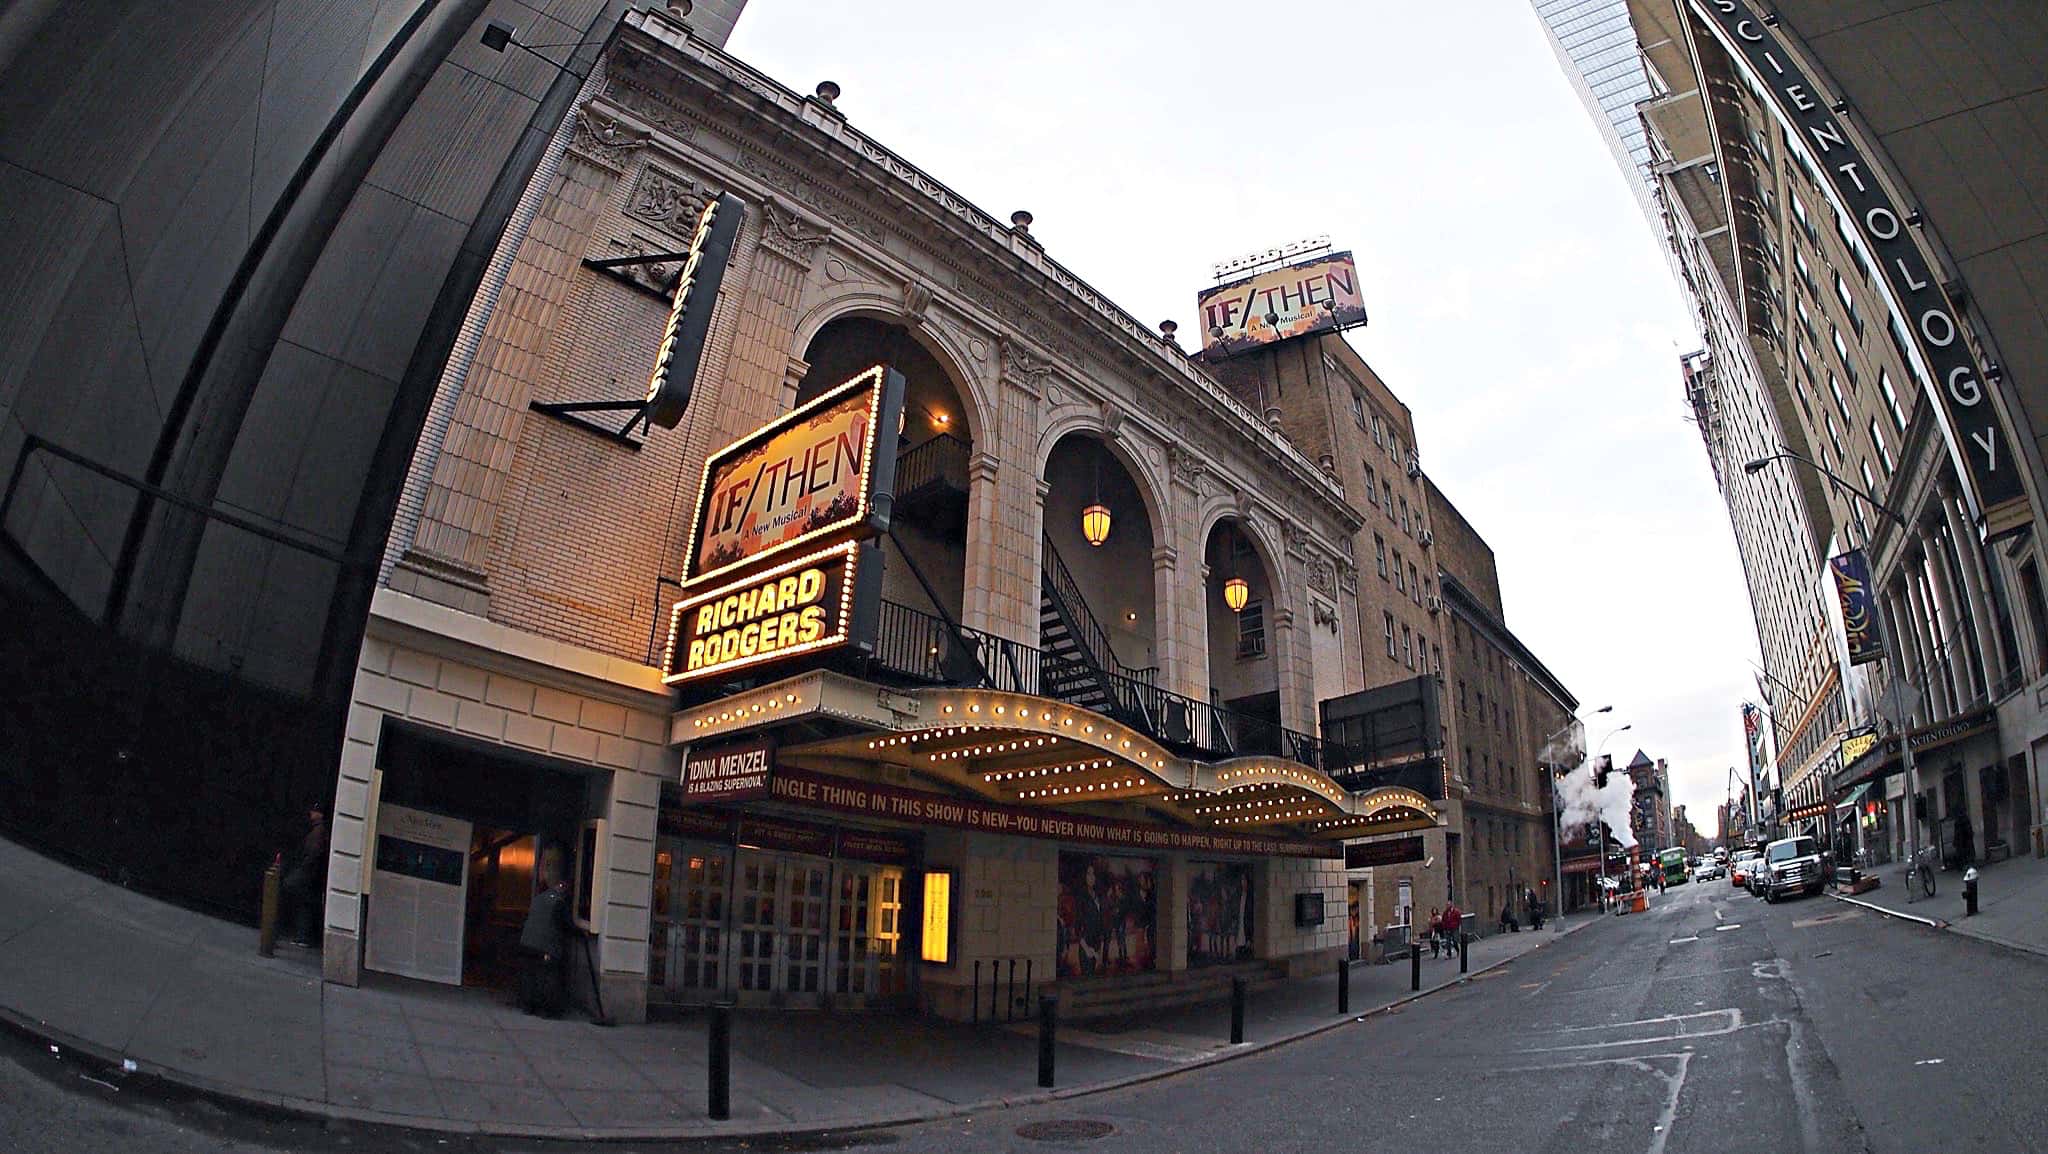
(1603, 824)
(1557, 824)
(1891, 656)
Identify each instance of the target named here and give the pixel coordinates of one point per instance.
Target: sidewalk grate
(1065, 1130)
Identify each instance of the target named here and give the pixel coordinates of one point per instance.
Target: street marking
(1823, 919)
(1682, 941)
(1729, 926)
(1709, 1024)
(1930, 1061)
(1158, 1045)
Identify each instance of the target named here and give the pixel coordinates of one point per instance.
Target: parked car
(1792, 865)
(1740, 868)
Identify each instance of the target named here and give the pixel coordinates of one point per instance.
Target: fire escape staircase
(1079, 666)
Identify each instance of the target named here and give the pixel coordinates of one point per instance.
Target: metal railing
(914, 644)
(941, 461)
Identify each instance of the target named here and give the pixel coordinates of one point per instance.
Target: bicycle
(1921, 870)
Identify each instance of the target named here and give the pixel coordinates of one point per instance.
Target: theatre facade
(859, 607)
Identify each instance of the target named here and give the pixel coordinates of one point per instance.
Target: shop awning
(1855, 795)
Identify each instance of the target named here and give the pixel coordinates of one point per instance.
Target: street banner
(1859, 606)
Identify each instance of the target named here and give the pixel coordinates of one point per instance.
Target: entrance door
(803, 931)
(867, 934)
(686, 947)
(757, 897)
(778, 928)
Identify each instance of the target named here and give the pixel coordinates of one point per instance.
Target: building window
(1390, 632)
(1437, 662)
(1407, 647)
(1387, 498)
(1358, 408)
(1379, 432)
(1404, 518)
(1891, 399)
(1842, 354)
(1372, 485)
(1400, 575)
(1884, 453)
(1251, 630)
(1835, 389)
(1379, 554)
(1463, 708)
(1414, 584)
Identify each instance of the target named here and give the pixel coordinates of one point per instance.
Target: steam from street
(1580, 802)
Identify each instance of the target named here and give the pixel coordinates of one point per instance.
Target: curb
(1960, 928)
(163, 1081)
(1887, 911)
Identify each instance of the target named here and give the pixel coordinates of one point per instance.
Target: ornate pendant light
(1236, 593)
(1095, 518)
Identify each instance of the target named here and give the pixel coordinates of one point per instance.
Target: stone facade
(527, 573)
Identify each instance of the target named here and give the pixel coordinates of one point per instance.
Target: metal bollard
(266, 925)
(1970, 892)
(1464, 953)
(1343, 985)
(1048, 1021)
(721, 1062)
(1238, 987)
(1415, 966)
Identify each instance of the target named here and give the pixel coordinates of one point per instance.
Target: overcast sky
(1519, 302)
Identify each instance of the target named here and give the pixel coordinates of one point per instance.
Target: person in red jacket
(1453, 918)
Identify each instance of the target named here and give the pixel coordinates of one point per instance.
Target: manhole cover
(1065, 1130)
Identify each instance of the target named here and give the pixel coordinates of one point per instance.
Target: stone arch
(946, 347)
(1271, 553)
(1151, 486)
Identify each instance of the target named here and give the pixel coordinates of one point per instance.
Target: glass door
(867, 934)
(757, 899)
(686, 939)
(803, 957)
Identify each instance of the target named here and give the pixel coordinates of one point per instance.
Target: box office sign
(728, 771)
(846, 795)
(817, 476)
(817, 602)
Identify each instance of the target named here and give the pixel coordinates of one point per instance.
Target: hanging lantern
(1236, 593)
(1095, 523)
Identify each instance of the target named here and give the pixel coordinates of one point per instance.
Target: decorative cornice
(604, 141)
(785, 231)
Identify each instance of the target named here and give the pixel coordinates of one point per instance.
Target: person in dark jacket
(1965, 841)
(305, 881)
(544, 943)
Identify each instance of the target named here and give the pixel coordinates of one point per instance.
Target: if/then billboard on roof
(1317, 295)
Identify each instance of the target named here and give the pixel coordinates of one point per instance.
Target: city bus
(1672, 861)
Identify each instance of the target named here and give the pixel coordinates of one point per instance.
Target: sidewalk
(96, 970)
(2012, 902)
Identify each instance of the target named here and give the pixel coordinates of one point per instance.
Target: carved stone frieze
(659, 275)
(1325, 614)
(808, 192)
(604, 141)
(665, 199)
(1322, 576)
(1347, 577)
(1185, 465)
(648, 106)
(785, 231)
(1024, 369)
(917, 300)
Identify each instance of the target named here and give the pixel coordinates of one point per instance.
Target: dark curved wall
(1956, 92)
(237, 240)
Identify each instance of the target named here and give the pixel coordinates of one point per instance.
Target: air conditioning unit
(1436, 604)
(1428, 538)
(1414, 468)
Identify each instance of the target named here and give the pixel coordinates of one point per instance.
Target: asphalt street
(1714, 1022)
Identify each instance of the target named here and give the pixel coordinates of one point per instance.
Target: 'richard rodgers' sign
(798, 607)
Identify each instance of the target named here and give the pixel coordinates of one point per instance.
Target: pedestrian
(305, 881)
(1965, 841)
(543, 942)
(1453, 918)
(1508, 924)
(1436, 930)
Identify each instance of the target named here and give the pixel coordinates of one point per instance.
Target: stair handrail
(1089, 636)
